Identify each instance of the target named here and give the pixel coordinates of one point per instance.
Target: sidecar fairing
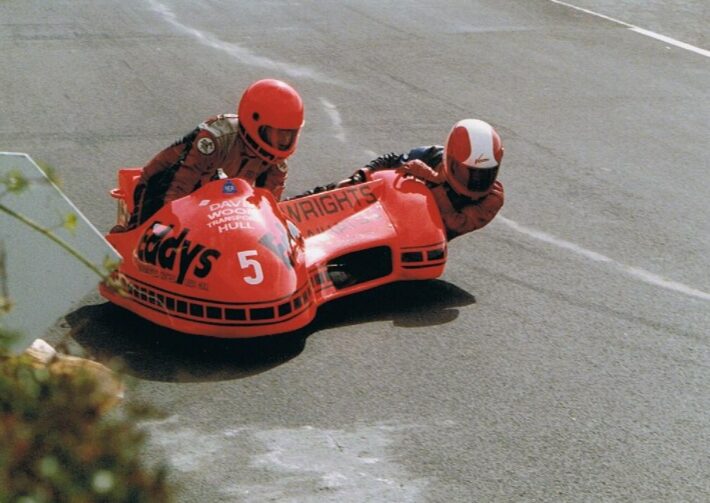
(228, 261)
(370, 234)
(221, 261)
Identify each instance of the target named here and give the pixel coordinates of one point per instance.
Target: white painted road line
(648, 33)
(636, 272)
(241, 54)
(335, 118)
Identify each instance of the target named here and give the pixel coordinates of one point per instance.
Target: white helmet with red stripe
(472, 157)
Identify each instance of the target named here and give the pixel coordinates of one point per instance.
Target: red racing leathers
(460, 214)
(196, 159)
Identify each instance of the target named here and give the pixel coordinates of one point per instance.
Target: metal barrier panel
(44, 281)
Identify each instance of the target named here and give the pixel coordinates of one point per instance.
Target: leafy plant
(61, 440)
(14, 183)
(58, 443)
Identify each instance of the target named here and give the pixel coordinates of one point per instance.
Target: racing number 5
(245, 262)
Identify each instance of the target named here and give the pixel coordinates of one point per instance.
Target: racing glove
(419, 169)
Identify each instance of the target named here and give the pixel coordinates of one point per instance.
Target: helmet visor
(280, 139)
(475, 179)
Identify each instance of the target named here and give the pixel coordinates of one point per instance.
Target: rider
(252, 145)
(462, 175)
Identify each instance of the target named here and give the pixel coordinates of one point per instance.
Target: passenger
(462, 175)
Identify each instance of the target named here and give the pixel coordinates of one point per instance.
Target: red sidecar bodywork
(229, 261)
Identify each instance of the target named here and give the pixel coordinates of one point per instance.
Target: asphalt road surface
(563, 356)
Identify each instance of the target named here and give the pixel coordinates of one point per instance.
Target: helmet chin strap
(254, 147)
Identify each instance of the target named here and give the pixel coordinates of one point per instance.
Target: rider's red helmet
(472, 157)
(270, 117)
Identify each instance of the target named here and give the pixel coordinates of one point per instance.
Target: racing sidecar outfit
(460, 214)
(196, 159)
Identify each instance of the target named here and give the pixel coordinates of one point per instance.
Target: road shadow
(406, 303)
(147, 351)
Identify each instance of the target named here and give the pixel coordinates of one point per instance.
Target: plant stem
(49, 234)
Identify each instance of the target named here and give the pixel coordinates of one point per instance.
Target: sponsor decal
(230, 215)
(204, 202)
(330, 203)
(175, 255)
(205, 145)
(229, 187)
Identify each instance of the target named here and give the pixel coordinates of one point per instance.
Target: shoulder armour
(221, 125)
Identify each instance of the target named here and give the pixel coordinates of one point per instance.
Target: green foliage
(50, 173)
(58, 445)
(7, 338)
(69, 222)
(57, 441)
(5, 301)
(14, 181)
